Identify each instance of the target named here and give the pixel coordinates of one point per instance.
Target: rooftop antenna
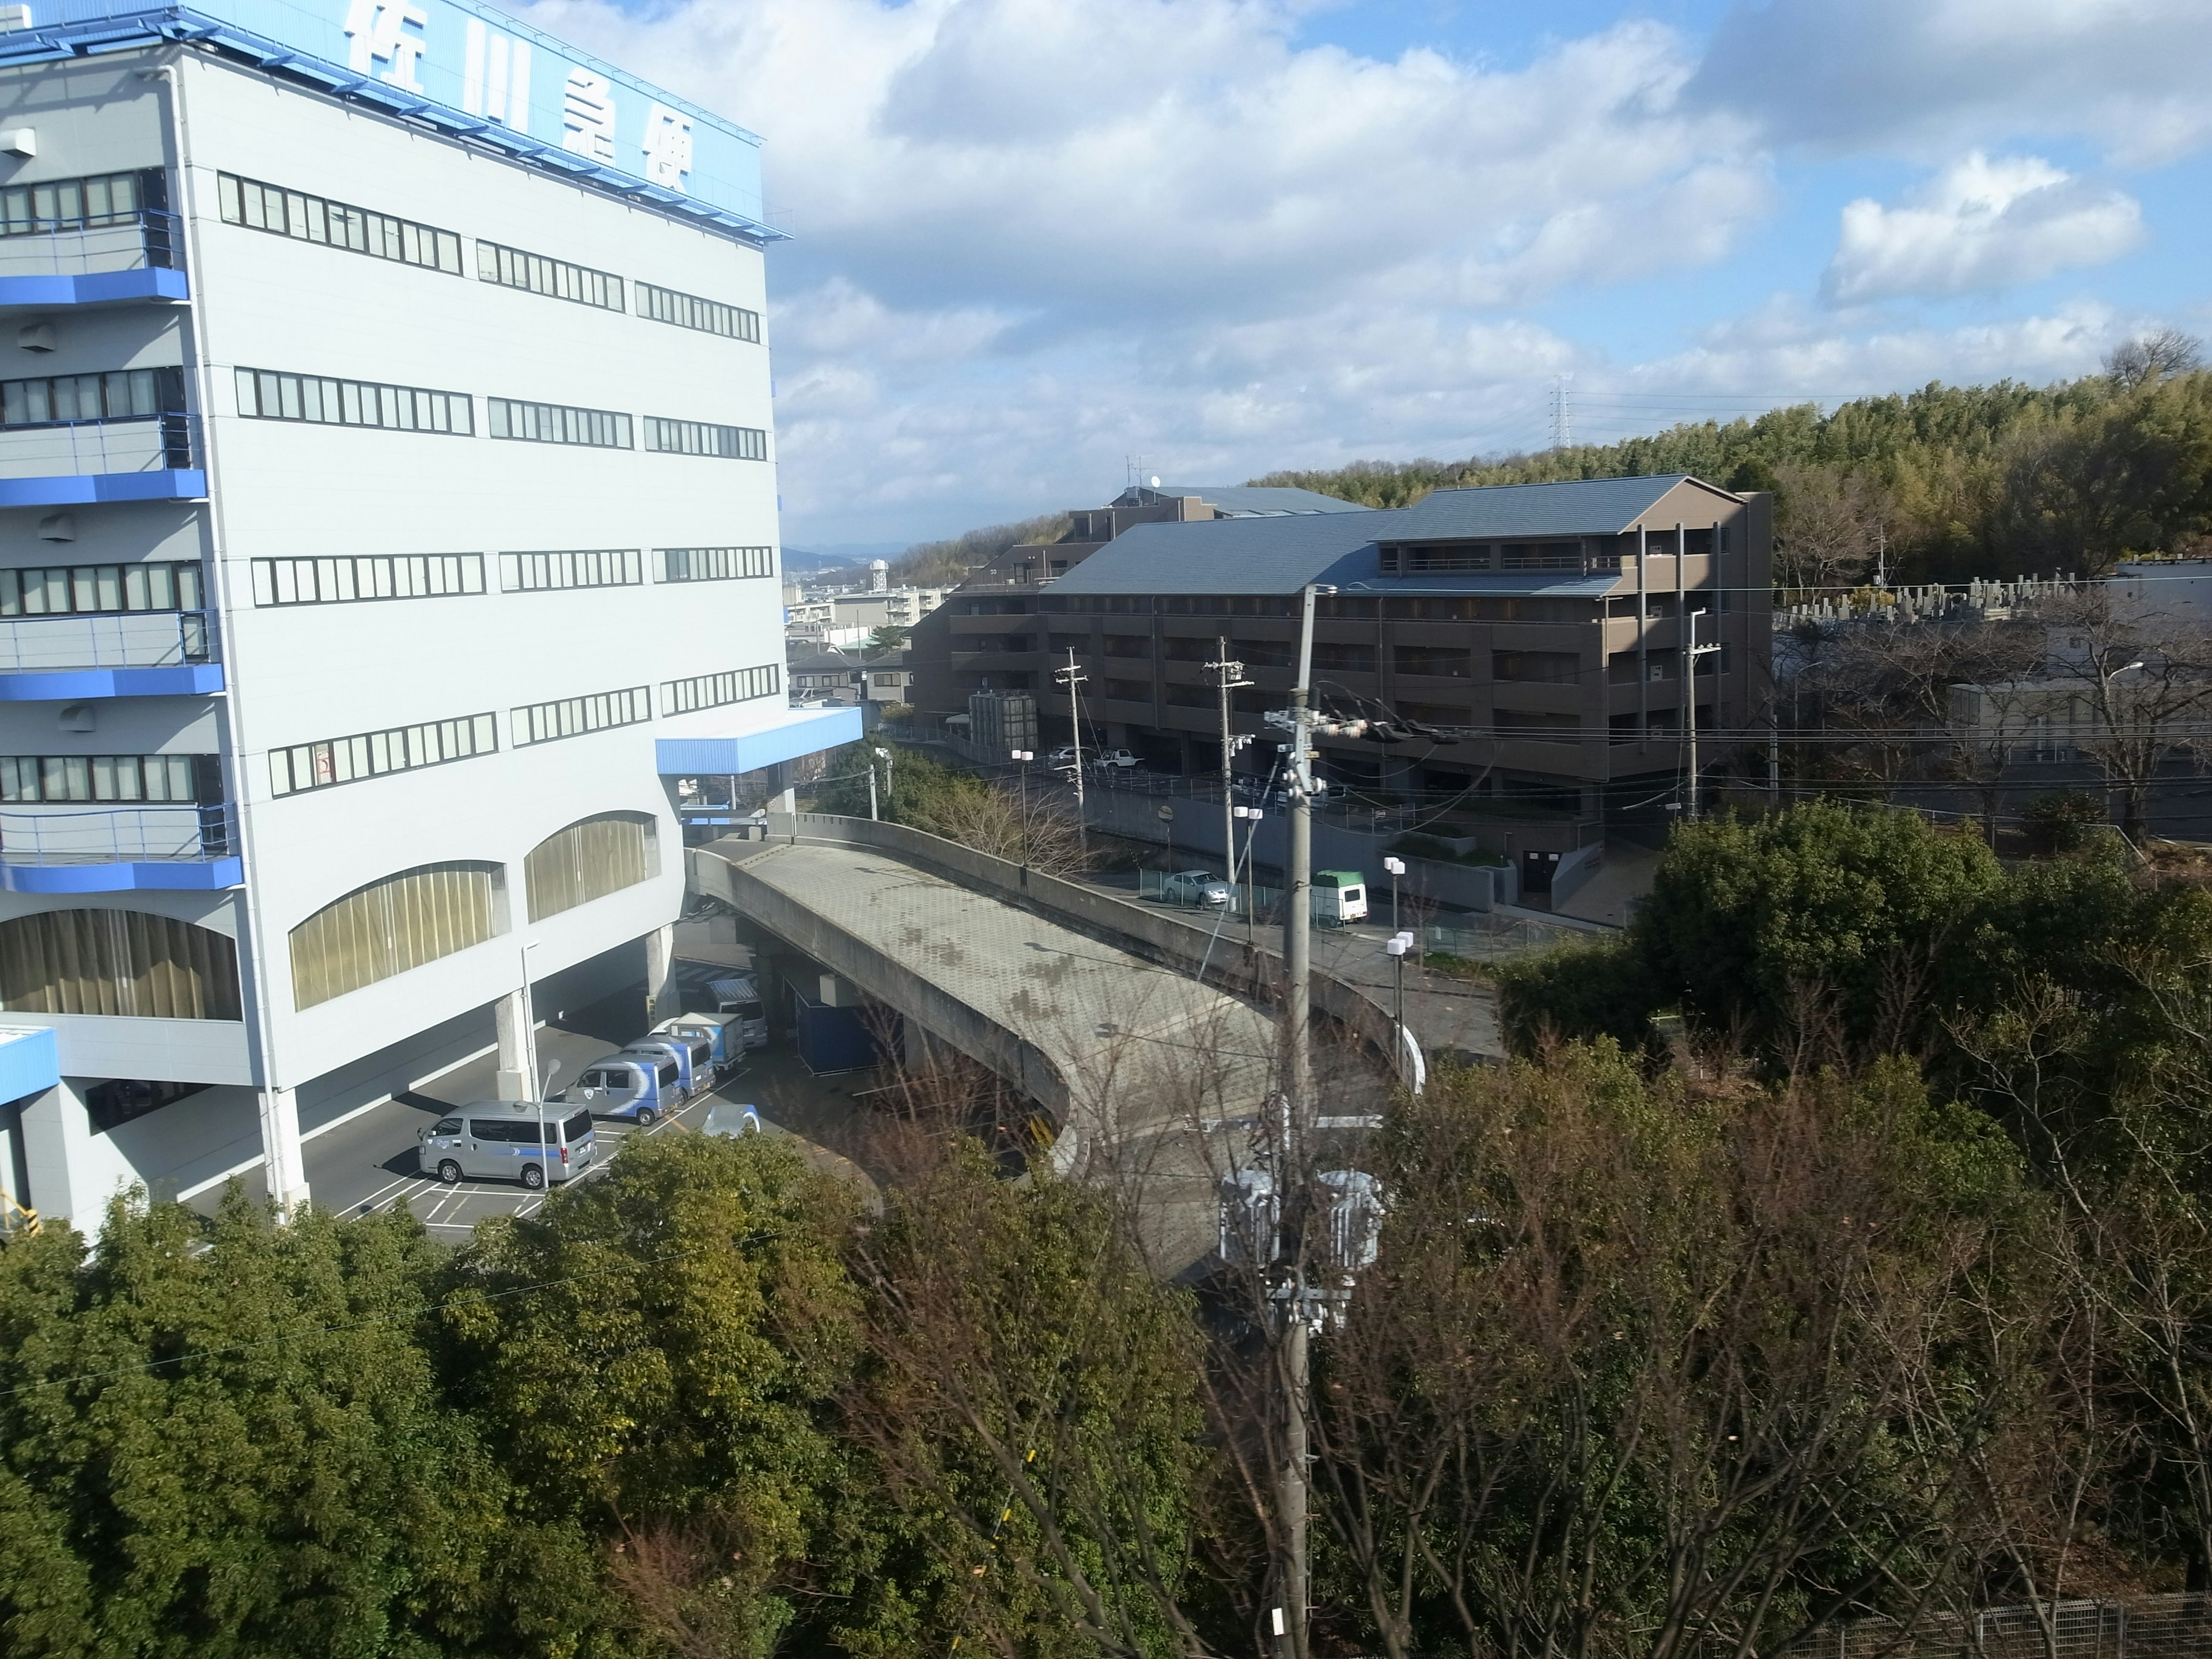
(1563, 414)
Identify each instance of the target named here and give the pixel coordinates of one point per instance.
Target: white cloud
(1979, 224)
(1922, 76)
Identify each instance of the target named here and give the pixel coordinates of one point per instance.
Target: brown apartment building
(1533, 635)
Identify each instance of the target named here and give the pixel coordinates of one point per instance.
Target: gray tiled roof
(1232, 556)
(1239, 500)
(1577, 506)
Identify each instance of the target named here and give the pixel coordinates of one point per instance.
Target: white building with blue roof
(387, 522)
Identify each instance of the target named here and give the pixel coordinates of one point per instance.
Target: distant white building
(388, 484)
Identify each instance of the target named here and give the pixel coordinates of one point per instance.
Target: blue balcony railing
(101, 245)
(181, 832)
(138, 639)
(123, 443)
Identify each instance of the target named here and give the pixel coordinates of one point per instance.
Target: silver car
(1195, 887)
(527, 1141)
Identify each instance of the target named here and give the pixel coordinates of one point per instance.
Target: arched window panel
(590, 860)
(391, 925)
(117, 961)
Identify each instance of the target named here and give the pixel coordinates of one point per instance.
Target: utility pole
(1072, 676)
(1231, 675)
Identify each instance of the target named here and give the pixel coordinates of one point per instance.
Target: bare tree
(1831, 529)
(2155, 356)
(2135, 691)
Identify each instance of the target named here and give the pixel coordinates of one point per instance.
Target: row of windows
(667, 305)
(186, 778)
(1431, 608)
(106, 199)
(312, 219)
(715, 564)
(534, 273)
(556, 423)
(93, 589)
(368, 576)
(574, 717)
(120, 395)
(375, 754)
(713, 690)
(266, 395)
(531, 572)
(734, 443)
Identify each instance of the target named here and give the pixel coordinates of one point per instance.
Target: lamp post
(1397, 867)
(1398, 945)
(1167, 827)
(886, 757)
(1251, 816)
(1025, 757)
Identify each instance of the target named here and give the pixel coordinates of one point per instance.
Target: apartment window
(510, 267)
(267, 395)
(93, 589)
(106, 199)
(369, 576)
(1539, 555)
(1436, 660)
(556, 423)
(1127, 690)
(185, 778)
(715, 564)
(1332, 658)
(533, 572)
(1438, 555)
(307, 218)
(731, 443)
(1192, 697)
(1128, 645)
(120, 395)
(575, 717)
(1433, 713)
(1533, 723)
(713, 690)
(1263, 653)
(1552, 667)
(666, 305)
(377, 754)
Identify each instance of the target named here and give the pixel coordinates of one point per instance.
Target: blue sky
(1037, 239)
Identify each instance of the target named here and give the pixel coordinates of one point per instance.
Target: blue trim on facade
(809, 731)
(197, 679)
(84, 488)
(205, 875)
(156, 23)
(30, 1060)
(98, 288)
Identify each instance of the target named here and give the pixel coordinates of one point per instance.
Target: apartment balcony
(145, 653)
(130, 458)
(118, 849)
(118, 259)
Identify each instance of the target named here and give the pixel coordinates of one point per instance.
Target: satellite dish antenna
(1156, 481)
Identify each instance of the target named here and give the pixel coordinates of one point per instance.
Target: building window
(106, 199)
(118, 1101)
(589, 861)
(122, 394)
(307, 218)
(576, 717)
(189, 779)
(1548, 667)
(1192, 697)
(1334, 658)
(556, 423)
(1436, 556)
(1127, 690)
(510, 267)
(713, 690)
(1539, 555)
(117, 961)
(391, 925)
(532, 573)
(369, 576)
(376, 754)
(666, 305)
(715, 564)
(732, 443)
(266, 395)
(82, 589)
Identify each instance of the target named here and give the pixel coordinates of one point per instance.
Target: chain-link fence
(2139, 1627)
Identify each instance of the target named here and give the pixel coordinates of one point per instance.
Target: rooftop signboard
(461, 65)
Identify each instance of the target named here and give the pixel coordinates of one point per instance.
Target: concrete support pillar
(787, 798)
(660, 994)
(513, 1013)
(283, 1167)
(73, 1172)
(914, 1043)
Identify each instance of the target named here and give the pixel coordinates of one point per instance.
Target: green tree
(227, 1439)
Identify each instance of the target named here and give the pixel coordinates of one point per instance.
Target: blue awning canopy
(30, 1060)
(804, 731)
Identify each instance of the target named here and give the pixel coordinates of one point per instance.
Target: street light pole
(1025, 755)
(1397, 867)
(1230, 675)
(1398, 945)
(1072, 677)
(1251, 816)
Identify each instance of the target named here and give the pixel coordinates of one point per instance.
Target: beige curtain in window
(586, 860)
(117, 961)
(389, 926)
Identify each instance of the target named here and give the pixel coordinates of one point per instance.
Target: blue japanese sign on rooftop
(459, 65)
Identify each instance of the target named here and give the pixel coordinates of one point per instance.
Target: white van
(531, 1141)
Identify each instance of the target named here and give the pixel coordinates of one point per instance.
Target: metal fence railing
(83, 247)
(138, 639)
(126, 443)
(2137, 1627)
(179, 834)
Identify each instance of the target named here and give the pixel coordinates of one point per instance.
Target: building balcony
(145, 653)
(118, 849)
(132, 458)
(118, 259)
